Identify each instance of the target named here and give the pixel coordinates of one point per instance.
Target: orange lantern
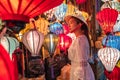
(64, 42)
(107, 19)
(17, 12)
(22, 10)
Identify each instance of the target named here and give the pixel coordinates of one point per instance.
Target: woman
(79, 50)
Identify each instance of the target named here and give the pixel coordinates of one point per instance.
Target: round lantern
(64, 42)
(109, 57)
(33, 40)
(9, 43)
(18, 12)
(80, 1)
(114, 75)
(56, 28)
(111, 41)
(6, 66)
(107, 19)
(111, 4)
(60, 11)
(116, 27)
(50, 42)
(23, 10)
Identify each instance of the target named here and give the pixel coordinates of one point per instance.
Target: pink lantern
(107, 19)
(64, 42)
(80, 1)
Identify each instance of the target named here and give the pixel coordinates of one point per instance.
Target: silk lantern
(6, 66)
(114, 75)
(111, 41)
(56, 28)
(50, 42)
(109, 57)
(60, 11)
(18, 12)
(33, 40)
(64, 42)
(23, 10)
(107, 19)
(9, 43)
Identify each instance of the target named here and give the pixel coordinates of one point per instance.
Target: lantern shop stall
(37, 39)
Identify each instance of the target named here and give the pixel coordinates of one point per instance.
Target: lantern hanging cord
(109, 4)
(33, 22)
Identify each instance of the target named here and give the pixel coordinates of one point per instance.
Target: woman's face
(72, 23)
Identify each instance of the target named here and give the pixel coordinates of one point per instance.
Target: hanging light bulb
(109, 57)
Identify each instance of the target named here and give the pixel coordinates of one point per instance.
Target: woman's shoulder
(81, 37)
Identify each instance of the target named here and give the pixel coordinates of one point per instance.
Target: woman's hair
(85, 29)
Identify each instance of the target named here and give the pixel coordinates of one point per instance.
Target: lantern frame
(50, 42)
(33, 40)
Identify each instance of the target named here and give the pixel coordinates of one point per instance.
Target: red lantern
(107, 19)
(22, 10)
(114, 75)
(6, 66)
(65, 42)
(80, 1)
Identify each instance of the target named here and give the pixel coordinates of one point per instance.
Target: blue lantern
(56, 28)
(10, 44)
(61, 11)
(111, 41)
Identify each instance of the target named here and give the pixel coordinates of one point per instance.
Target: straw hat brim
(80, 17)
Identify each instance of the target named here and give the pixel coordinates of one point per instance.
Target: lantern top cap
(77, 15)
